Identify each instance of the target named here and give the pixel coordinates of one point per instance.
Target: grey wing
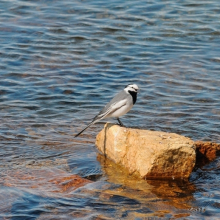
(119, 100)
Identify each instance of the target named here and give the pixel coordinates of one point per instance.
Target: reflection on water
(158, 196)
(61, 61)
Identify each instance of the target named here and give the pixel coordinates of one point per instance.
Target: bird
(118, 106)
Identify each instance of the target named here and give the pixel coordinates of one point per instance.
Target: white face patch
(132, 87)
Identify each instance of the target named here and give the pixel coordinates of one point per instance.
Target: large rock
(150, 154)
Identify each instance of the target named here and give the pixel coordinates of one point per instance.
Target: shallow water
(61, 61)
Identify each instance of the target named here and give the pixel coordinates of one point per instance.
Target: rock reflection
(178, 193)
(162, 197)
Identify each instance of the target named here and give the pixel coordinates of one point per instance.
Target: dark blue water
(61, 61)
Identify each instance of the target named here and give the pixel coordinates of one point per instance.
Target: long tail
(84, 129)
(95, 120)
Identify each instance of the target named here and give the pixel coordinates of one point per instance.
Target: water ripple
(61, 61)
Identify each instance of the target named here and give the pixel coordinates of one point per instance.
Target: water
(61, 61)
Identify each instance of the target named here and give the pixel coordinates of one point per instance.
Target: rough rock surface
(150, 154)
(206, 152)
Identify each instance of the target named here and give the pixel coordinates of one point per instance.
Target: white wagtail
(118, 106)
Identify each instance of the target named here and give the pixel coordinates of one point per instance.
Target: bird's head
(131, 88)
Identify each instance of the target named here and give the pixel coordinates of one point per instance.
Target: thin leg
(120, 123)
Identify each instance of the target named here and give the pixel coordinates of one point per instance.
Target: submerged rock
(150, 154)
(49, 182)
(206, 152)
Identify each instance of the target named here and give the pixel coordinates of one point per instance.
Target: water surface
(61, 61)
